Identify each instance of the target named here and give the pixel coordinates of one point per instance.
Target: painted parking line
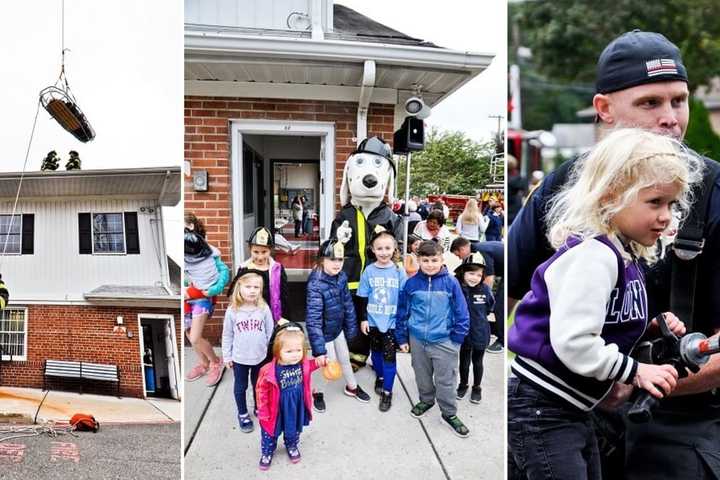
(11, 452)
(64, 451)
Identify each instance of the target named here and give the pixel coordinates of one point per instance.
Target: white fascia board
(227, 44)
(212, 88)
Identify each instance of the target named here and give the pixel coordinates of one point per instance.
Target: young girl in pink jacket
(284, 394)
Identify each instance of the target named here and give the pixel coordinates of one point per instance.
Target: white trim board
(211, 88)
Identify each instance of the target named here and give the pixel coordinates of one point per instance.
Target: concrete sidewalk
(351, 439)
(23, 405)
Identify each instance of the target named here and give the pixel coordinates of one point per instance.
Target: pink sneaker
(215, 373)
(196, 372)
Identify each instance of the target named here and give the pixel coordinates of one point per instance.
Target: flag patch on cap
(661, 66)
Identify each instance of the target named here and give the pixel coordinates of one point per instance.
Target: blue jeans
(548, 438)
(241, 383)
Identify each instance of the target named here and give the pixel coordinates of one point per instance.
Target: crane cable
(32, 133)
(17, 194)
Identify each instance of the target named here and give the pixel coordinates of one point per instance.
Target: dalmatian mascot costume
(369, 173)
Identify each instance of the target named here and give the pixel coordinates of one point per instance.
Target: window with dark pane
(10, 233)
(108, 233)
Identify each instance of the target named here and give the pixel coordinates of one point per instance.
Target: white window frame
(19, 358)
(2, 242)
(92, 233)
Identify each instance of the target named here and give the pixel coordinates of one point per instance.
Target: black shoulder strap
(688, 246)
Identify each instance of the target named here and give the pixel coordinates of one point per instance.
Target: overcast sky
(478, 26)
(125, 70)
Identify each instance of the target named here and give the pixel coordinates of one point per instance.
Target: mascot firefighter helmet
(377, 146)
(332, 248)
(195, 244)
(262, 236)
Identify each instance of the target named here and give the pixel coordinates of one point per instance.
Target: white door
(169, 338)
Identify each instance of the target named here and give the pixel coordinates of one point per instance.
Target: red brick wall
(83, 333)
(207, 147)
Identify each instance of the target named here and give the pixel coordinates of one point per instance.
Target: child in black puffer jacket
(481, 302)
(331, 319)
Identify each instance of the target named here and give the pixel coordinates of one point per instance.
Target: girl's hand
(229, 364)
(204, 292)
(321, 360)
(650, 377)
(675, 325)
(365, 327)
(404, 348)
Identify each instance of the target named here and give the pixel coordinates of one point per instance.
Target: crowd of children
(417, 306)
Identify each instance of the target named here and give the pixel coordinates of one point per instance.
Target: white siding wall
(269, 14)
(57, 272)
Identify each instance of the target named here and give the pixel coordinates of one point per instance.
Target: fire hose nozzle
(696, 348)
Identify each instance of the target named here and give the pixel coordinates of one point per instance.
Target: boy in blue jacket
(433, 316)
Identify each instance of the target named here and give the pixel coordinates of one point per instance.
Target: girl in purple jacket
(587, 307)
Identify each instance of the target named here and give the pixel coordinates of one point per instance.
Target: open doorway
(284, 192)
(296, 198)
(272, 161)
(158, 353)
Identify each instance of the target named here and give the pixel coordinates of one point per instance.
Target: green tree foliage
(451, 163)
(567, 36)
(700, 135)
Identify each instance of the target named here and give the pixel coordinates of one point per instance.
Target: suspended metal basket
(62, 106)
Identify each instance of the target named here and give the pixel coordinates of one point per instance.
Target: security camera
(416, 107)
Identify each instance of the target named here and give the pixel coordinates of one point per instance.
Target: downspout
(316, 20)
(366, 89)
(164, 269)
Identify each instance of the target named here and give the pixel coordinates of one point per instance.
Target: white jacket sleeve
(228, 335)
(579, 286)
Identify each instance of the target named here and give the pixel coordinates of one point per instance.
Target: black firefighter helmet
(377, 146)
(474, 259)
(195, 244)
(262, 236)
(332, 248)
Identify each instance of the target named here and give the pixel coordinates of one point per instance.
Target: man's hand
(365, 327)
(344, 232)
(675, 325)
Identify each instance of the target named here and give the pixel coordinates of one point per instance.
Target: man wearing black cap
(642, 82)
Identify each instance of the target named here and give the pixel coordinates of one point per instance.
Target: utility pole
(499, 118)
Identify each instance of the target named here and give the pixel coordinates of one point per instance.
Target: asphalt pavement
(351, 439)
(116, 452)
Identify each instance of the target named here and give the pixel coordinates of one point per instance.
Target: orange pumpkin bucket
(332, 370)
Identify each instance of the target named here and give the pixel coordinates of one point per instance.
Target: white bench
(82, 370)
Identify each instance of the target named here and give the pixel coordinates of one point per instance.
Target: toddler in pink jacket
(284, 394)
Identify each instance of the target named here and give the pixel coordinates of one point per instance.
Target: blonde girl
(247, 329)
(471, 224)
(587, 307)
(284, 394)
